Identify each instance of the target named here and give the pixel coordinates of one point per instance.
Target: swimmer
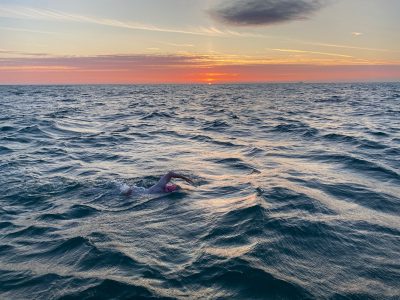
(162, 186)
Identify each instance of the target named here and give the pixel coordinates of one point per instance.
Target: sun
(217, 77)
(210, 81)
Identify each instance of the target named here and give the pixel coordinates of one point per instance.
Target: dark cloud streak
(107, 61)
(265, 12)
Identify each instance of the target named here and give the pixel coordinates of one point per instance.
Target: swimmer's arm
(171, 175)
(167, 178)
(160, 185)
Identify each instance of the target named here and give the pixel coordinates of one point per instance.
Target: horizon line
(206, 83)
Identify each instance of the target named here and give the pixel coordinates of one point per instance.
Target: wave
(168, 133)
(5, 150)
(378, 133)
(32, 129)
(254, 152)
(365, 166)
(216, 125)
(156, 115)
(77, 211)
(112, 289)
(295, 128)
(236, 278)
(87, 257)
(331, 99)
(7, 128)
(235, 163)
(208, 139)
(22, 284)
(7, 225)
(287, 200)
(237, 227)
(360, 142)
(32, 231)
(363, 196)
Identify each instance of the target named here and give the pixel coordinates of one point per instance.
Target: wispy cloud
(178, 45)
(12, 11)
(23, 53)
(104, 62)
(311, 52)
(55, 15)
(36, 68)
(265, 12)
(25, 30)
(356, 34)
(330, 45)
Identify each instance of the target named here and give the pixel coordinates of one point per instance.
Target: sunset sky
(198, 41)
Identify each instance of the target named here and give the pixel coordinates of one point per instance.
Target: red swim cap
(170, 188)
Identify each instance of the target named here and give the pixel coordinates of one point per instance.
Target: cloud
(184, 68)
(23, 53)
(23, 12)
(106, 62)
(311, 52)
(142, 63)
(265, 12)
(356, 34)
(25, 30)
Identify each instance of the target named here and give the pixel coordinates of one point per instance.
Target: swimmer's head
(170, 187)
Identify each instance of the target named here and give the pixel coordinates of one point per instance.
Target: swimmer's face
(169, 188)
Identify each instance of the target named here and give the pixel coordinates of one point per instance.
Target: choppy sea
(297, 192)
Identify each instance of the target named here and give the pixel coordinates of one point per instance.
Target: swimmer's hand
(176, 175)
(188, 180)
(159, 187)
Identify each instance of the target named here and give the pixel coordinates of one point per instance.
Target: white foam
(124, 188)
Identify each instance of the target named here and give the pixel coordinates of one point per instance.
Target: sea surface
(296, 195)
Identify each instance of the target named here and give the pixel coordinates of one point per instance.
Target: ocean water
(297, 192)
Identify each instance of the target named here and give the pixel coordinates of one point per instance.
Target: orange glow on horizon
(214, 77)
(192, 74)
(186, 68)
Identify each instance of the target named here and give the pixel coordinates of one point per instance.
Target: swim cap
(171, 188)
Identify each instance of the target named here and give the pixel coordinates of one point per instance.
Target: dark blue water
(297, 192)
